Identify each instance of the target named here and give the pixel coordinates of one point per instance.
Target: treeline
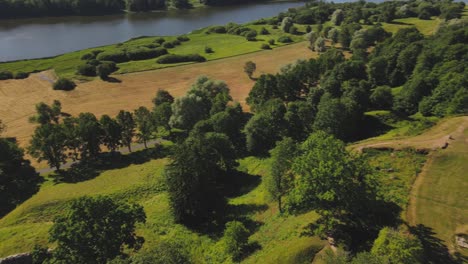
(38, 8)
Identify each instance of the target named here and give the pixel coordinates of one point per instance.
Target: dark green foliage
(88, 56)
(86, 70)
(162, 96)
(168, 45)
(39, 254)
(284, 39)
(331, 181)
(165, 252)
(18, 180)
(96, 230)
(117, 56)
(64, 84)
(249, 68)
(265, 127)
(293, 30)
(21, 75)
(217, 29)
(89, 133)
(251, 35)
(111, 132)
(142, 53)
(176, 58)
(265, 88)
(264, 31)
(195, 175)
(46, 114)
(48, 144)
(127, 124)
(397, 247)
(381, 98)
(160, 40)
(279, 181)
(235, 239)
(299, 117)
(208, 50)
(271, 42)
(265, 46)
(144, 122)
(105, 68)
(183, 38)
(308, 29)
(144, 5)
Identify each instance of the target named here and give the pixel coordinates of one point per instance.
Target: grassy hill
(278, 239)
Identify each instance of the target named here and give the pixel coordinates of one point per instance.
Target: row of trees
(59, 137)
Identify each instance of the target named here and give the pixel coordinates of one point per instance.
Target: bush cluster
(176, 58)
(285, 39)
(64, 84)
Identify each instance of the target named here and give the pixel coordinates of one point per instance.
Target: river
(45, 37)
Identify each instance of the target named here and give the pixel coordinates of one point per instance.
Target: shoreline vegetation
(13, 9)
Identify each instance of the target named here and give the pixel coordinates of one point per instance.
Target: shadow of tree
(240, 183)
(435, 251)
(89, 169)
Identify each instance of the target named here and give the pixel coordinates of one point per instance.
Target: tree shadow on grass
(240, 183)
(89, 169)
(112, 80)
(435, 251)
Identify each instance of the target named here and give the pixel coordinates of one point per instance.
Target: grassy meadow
(223, 45)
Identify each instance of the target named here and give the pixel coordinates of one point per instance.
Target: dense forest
(301, 117)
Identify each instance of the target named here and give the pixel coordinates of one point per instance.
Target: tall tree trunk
(144, 142)
(129, 147)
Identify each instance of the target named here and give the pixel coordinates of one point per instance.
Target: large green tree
(96, 230)
(331, 181)
(195, 175)
(144, 123)
(112, 133)
(278, 182)
(48, 143)
(127, 123)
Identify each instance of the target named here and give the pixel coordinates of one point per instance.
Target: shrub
(96, 52)
(285, 39)
(175, 42)
(88, 56)
(159, 40)
(265, 46)
(5, 75)
(218, 29)
(264, 31)
(21, 75)
(142, 53)
(235, 239)
(251, 35)
(93, 62)
(183, 38)
(168, 45)
(293, 30)
(308, 29)
(115, 56)
(175, 58)
(152, 46)
(275, 27)
(64, 84)
(208, 50)
(105, 69)
(271, 42)
(86, 70)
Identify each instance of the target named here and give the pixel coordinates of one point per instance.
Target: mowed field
(18, 97)
(438, 200)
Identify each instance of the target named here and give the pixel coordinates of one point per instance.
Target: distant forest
(37, 8)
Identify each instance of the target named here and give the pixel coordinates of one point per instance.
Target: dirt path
(136, 89)
(436, 137)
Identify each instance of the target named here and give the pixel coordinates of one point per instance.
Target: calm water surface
(43, 37)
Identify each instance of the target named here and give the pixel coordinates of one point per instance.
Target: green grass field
(440, 200)
(224, 45)
(426, 27)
